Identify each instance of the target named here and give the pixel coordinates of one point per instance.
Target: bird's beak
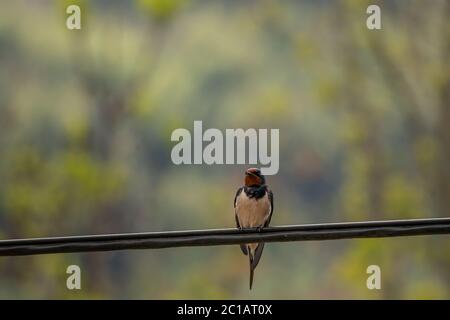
(248, 173)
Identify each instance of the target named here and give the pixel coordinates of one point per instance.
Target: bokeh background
(86, 118)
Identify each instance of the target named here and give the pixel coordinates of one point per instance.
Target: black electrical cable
(157, 240)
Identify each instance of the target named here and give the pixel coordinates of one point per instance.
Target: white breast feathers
(252, 212)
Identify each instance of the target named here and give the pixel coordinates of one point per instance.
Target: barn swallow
(253, 207)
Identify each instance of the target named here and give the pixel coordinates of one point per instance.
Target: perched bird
(253, 207)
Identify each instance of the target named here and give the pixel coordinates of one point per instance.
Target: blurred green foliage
(161, 9)
(86, 118)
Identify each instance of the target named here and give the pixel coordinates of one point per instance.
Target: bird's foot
(259, 228)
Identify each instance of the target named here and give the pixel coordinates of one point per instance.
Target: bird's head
(254, 178)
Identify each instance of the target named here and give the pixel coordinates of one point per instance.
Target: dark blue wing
(270, 195)
(243, 246)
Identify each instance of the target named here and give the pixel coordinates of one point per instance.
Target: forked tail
(252, 269)
(253, 258)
